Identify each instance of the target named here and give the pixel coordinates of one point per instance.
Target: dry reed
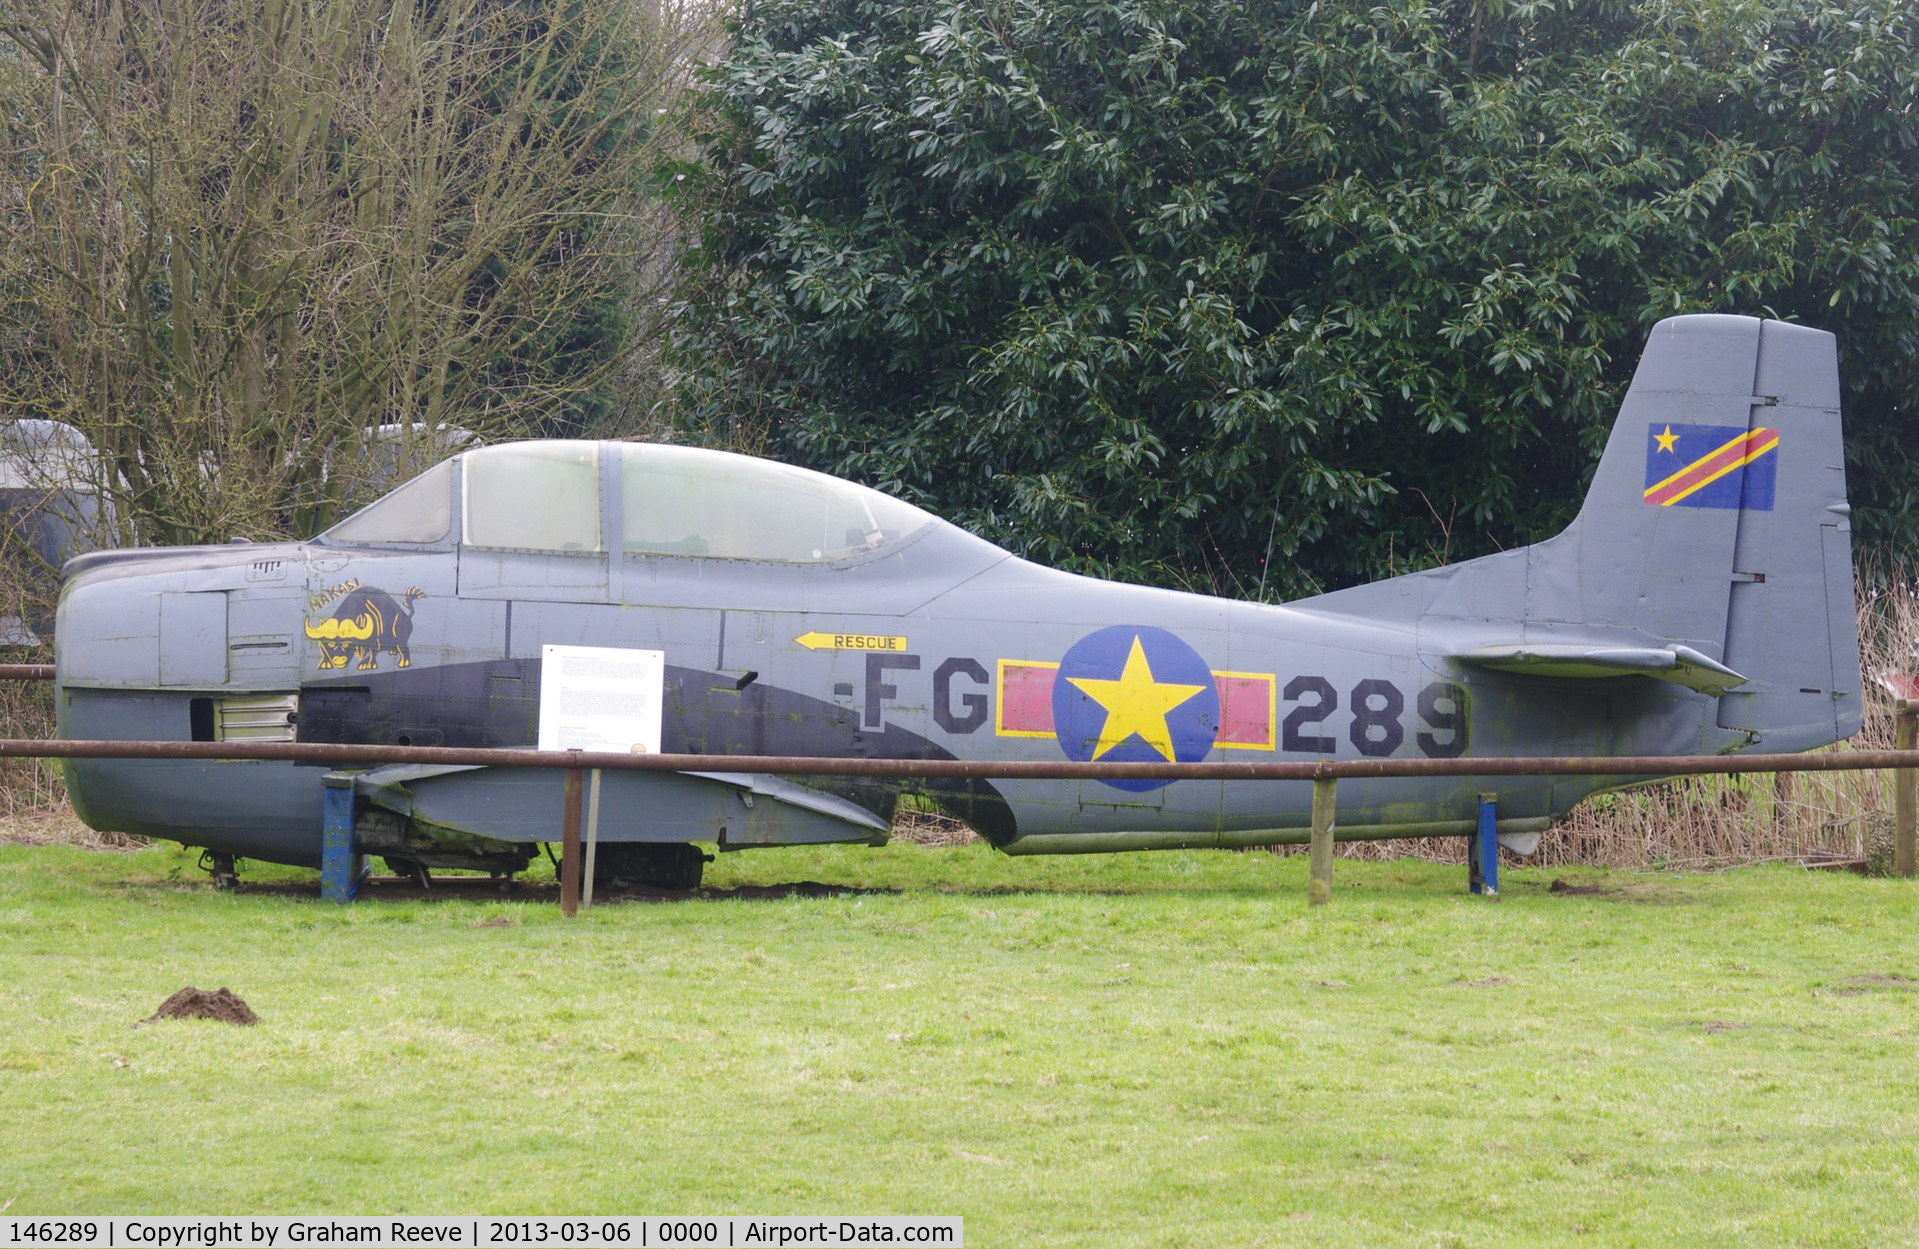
(926, 827)
(1717, 821)
(26, 710)
(59, 826)
(1710, 821)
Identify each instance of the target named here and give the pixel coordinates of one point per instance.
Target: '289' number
(53, 1232)
(1376, 710)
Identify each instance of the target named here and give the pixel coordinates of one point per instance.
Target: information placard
(601, 698)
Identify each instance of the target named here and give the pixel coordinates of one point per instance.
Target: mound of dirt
(220, 1004)
(1560, 886)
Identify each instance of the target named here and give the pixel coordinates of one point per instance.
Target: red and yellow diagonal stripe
(1709, 468)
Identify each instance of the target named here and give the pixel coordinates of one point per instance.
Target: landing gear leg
(410, 869)
(220, 867)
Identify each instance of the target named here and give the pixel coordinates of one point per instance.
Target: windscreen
(420, 511)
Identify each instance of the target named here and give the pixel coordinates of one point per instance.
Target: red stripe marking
(1026, 697)
(1717, 464)
(1245, 711)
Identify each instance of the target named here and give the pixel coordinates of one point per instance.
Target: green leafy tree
(1153, 288)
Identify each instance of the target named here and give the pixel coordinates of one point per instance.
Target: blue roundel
(1134, 694)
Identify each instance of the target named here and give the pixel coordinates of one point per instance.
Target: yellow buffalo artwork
(365, 623)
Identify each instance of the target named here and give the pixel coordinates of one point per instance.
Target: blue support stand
(340, 867)
(1482, 858)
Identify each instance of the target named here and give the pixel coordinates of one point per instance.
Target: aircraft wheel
(650, 865)
(680, 866)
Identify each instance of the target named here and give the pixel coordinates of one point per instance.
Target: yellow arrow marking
(817, 641)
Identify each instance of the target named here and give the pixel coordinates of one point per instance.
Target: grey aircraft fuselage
(1700, 603)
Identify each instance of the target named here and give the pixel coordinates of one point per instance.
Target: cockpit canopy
(668, 500)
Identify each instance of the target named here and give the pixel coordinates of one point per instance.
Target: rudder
(1793, 627)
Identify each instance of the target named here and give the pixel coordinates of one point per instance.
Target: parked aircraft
(50, 513)
(671, 598)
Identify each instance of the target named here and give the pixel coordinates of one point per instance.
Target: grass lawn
(1111, 1050)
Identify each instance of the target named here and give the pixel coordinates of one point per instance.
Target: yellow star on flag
(1136, 704)
(1666, 439)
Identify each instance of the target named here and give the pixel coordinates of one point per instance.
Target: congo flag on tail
(1711, 466)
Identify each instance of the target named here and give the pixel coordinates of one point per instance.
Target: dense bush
(1145, 287)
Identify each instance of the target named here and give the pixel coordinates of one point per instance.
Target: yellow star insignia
(1136, 704)
(1666, 440)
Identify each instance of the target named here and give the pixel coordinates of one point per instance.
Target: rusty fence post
(570, 843)
(1319, 871)
(1903, 790)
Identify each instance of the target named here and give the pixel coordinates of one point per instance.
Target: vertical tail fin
(1725, 483)
(1712, 551)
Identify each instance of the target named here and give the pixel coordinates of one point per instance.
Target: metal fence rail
(974, 769)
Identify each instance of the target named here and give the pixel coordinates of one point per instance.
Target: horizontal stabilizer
(1682, 665)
